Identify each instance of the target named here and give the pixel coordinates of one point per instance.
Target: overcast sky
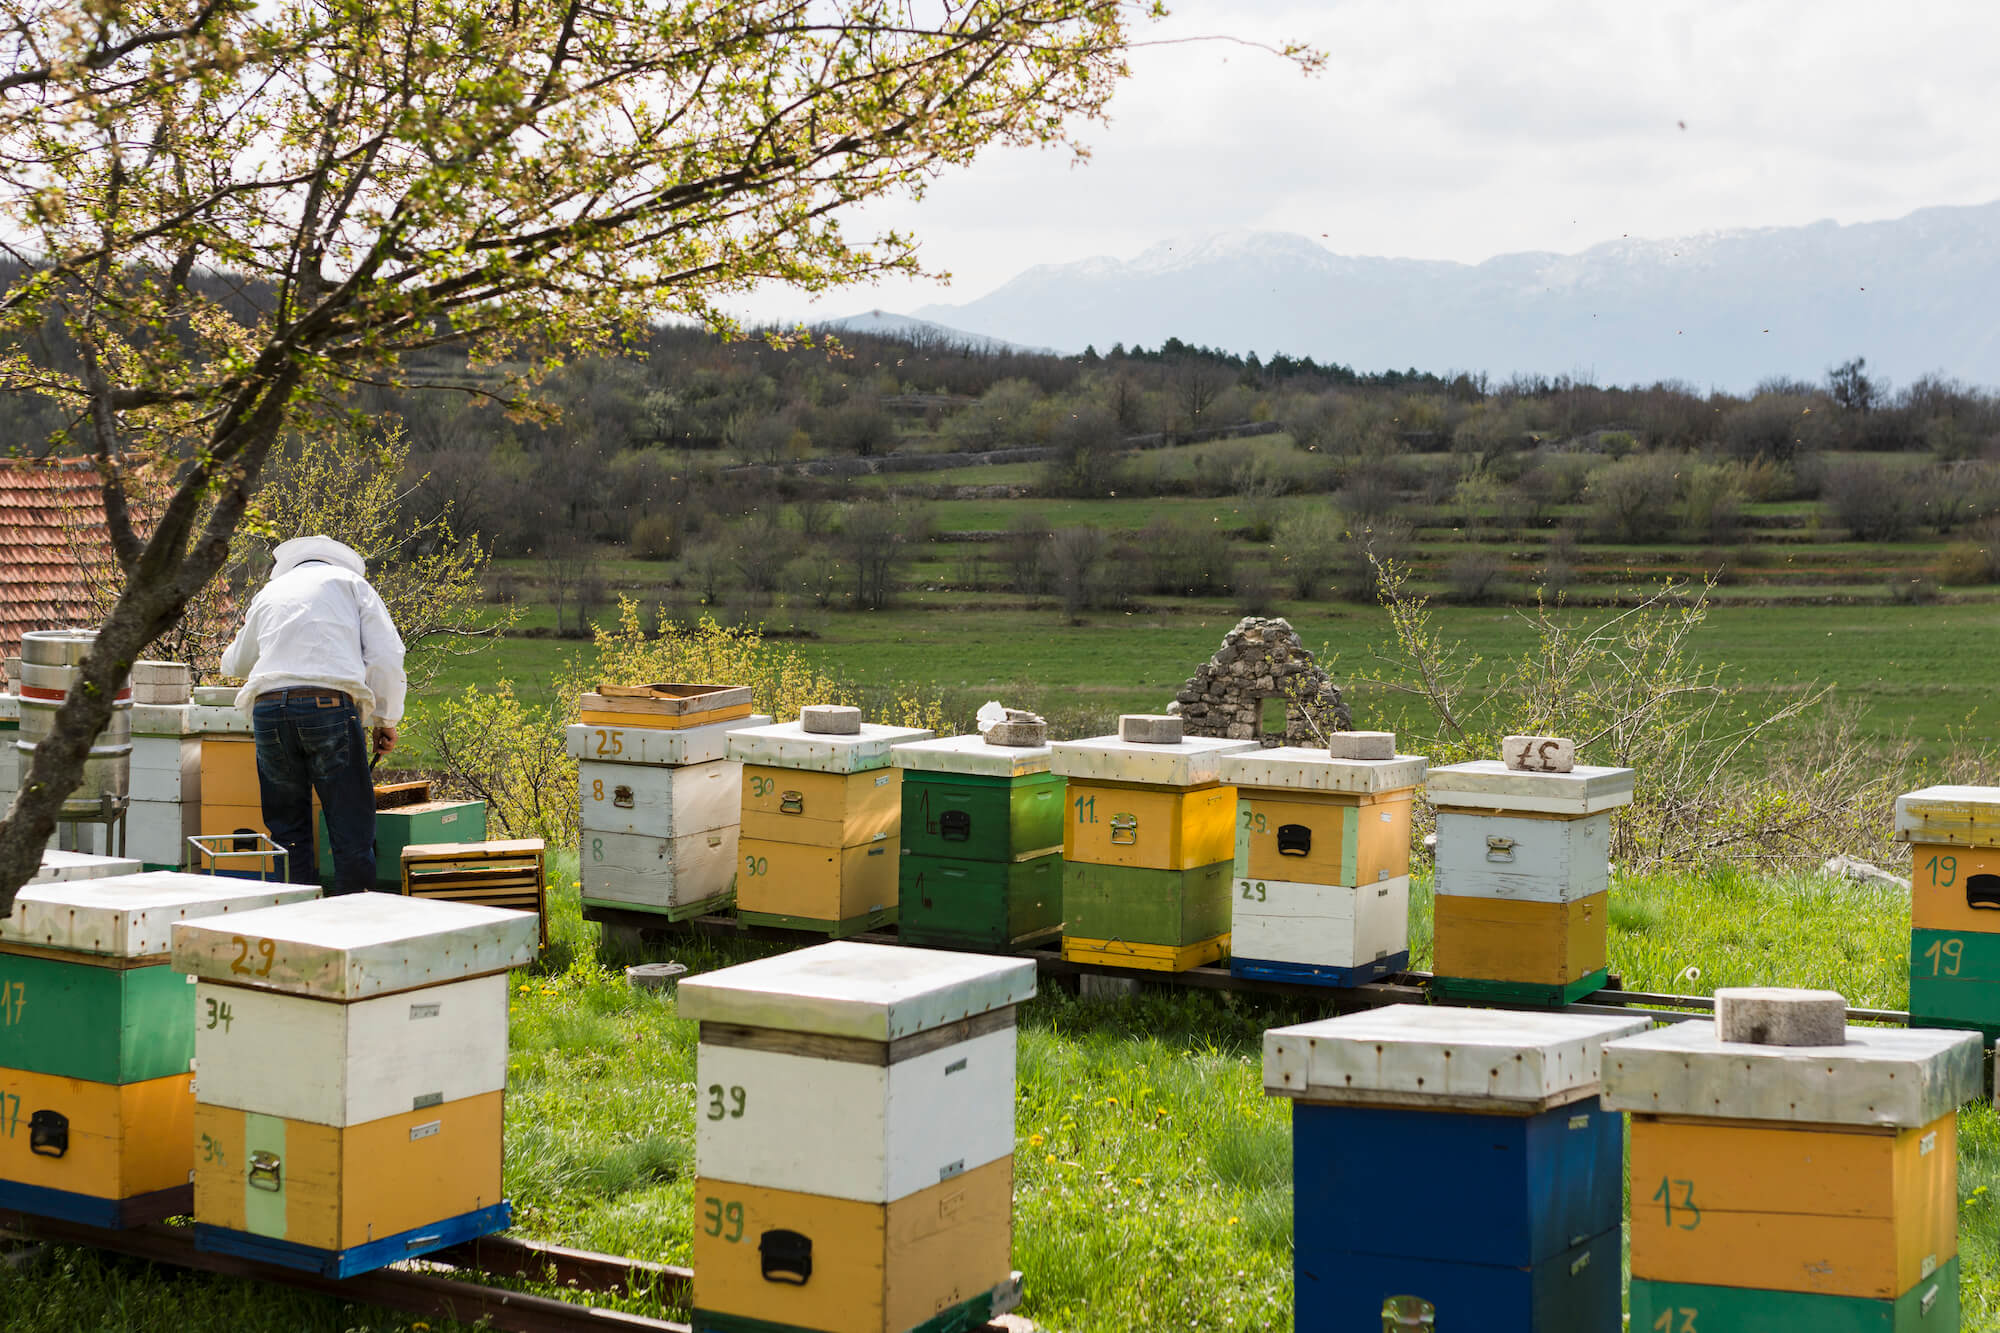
(1462, 129)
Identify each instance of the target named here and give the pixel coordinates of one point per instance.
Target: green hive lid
(1443, 1058)
(876, 992)
(971, 755)
(790, 745)
(1900, 1077)
(1299, 768)
(1194, 761)
(658, 746)
(357, 945)
(132, 916)
(1488, 784)
(60, 865)
(1954, 816)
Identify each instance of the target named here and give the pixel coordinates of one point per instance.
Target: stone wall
(1259, 660)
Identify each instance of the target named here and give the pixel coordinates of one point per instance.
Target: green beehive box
(964, 817)
(1143, 906)
(409, 825)
(1955, 981)
(1929, 1307)
(984, 906)
(101, 1023)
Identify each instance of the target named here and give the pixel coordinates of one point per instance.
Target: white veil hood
(290, 555)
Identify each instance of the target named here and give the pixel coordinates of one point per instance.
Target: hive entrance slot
(48, 1134)
(787, 1256)
(1982, 891)
(1294, 840)
(955, 826)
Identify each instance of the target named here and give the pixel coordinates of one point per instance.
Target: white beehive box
(650, 745)
(348, 1064)
(1902, 1078)
(1443, 1058)
(1326, 925)
(1950, 816)
(216, 719)
(156, 832)
(855, 1071)
(659, 802)
(972, 757)
(166, 755)
(1489, 785)
(60, 865)
(790, 745)
(1195, 761)
(132, 916)
(658, 872)
(1529, 860)
(356, 946)
(1297, 768)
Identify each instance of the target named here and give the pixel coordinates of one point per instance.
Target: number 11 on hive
(1086, 805)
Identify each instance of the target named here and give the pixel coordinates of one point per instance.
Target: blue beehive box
(1494, 1177)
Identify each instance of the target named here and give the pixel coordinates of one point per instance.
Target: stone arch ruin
(1261, 660)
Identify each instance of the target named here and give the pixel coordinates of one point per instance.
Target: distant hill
(921, 331)
(1722, 309)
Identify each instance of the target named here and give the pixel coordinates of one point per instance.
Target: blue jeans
(317, 745)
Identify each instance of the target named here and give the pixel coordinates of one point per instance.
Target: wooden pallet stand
(507, 873)
(1148, 845)
(854, 1140)
(1321, 889)
(353, 1058)
(1523, 881)
(1497, 1175)
(97, 1041)
(1954, 837)
(982, 831)
(822, 825)
(1793, 1188)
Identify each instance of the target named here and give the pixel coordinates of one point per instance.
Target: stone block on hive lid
(830, 720)
(1538, 754)
(168, 683)
(1362, 745)
(1014, 727)
(1497, 1112)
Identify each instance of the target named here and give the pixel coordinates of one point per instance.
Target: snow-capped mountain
(1724, 309)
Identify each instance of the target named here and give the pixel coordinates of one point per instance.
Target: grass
(1153, 1175)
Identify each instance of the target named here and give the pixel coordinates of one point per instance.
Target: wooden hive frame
(509, 873)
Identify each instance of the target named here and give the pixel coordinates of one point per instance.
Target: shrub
(1633, 500)
(1308, 541)
(654, 538)
(1365, 550)
(1966, 563)
(1914, 591)
(1076, 563)
(1185, 558)
(1873, 503)
(1475, 577)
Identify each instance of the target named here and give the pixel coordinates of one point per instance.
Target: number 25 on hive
(1665, 1323)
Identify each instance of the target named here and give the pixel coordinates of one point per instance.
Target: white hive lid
(1954, 816)
(1488, 784)
(1195, 761)
(657, 746)
(1901, 1077)
(1298, 768)
(971, 755)
(1449, 1059)
(161, 719)
(132, 916)
(59, 865)
(790, 745)
(216, 719)
(876, 992)
(356, 945)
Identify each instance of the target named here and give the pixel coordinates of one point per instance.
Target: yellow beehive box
(822, 809)
(1323, 838)
(1954, 888)
(116, 1152)
(1503, 939)
(1152, 828)
(816, 888)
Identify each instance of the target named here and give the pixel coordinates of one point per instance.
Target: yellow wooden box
(1154, 828)
(1144, 957)
(229, 771)
(822, 809)
(1504, 939)
(124, 1139)
(1323, 838)
(1847, 1211)
(817, 883)
(598, 717)
(334, 1189)
(1945, 882)
(841, 1266)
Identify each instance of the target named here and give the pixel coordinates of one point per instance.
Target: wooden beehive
(1954, 837)
(97, 1041)
(1794, 1188)
(350, 1110)
(508, 873)
(661, 816)
(1485, 1128)
(854, 1139)
(665, 706)
(1523, 880)
(1149, 839)
(230, 800)
(822, 818)
(166, 785)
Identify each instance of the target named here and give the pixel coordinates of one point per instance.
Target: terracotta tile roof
(51, 535)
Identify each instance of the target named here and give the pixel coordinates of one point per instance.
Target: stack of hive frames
(1523, 882)
(166, 784)
(350, 1108)
(661, 809)
(822, 824)
(854, 1137)
(509, 873)
(1485, 1127)
(405, 814)
(97, 1041)
(982, 831)
(1322, 888)
(1954, 837)
(1793, 1189)
(1148, 845)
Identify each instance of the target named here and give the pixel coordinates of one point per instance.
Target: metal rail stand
(111, 811)
(199, 847)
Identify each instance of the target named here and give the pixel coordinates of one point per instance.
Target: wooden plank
(1145, 957)
(857, 1050)
(474, 851)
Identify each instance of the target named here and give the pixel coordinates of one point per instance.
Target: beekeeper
(323, 671)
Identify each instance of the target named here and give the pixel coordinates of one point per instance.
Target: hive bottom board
(1144, 957)
(365, 1258)
(721, 902)
(1573, 1292)
(1316, 974)
(135, 1210)
(976, 1313)
(1166, 907)
(839, 930)
(978, 904)
(99, 1153)
(795, 1260)
(1929, 1307)
(1478, 990)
